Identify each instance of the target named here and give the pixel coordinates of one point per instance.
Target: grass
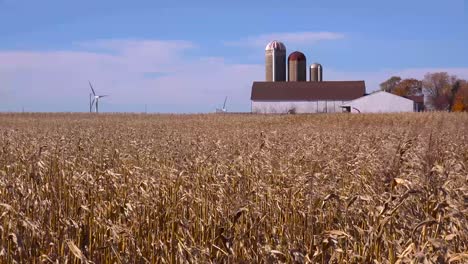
(334, 188)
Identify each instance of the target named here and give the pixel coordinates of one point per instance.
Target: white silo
(275, 62)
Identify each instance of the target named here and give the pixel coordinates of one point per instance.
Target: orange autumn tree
(460, 101)
(458, 104)
(408, 87)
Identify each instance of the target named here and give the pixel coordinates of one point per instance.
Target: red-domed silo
(297, 67)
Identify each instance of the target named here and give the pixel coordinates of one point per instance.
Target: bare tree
(437, 87)
(390, 84)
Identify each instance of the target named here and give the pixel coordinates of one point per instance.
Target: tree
(460, 99)
(408, 87)
(458, 104)
(453, 96)
(438, 88)
(464, 94)
(390, 84)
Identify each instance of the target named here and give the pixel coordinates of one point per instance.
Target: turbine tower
(95, 100)
(90, 104)
(222, 110)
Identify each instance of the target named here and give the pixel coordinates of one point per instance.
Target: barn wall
(281, 107)
(381, 102)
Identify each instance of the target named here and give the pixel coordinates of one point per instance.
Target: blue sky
(185, 56)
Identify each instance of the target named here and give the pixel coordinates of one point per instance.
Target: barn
(304, 97)
(278, 96)
(381, 102)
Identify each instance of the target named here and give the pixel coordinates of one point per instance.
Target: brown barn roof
(307, 91)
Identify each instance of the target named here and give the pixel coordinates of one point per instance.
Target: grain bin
(316, 73)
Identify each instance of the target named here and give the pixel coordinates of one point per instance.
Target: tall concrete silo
(316, 72)
(297, 67)
(275, 62)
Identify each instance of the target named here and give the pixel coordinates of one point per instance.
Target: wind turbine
(223, 110)
(95, 100)
(90, 104)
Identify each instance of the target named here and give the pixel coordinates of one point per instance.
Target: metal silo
(297, 67)
(316, 72)
(275, 62)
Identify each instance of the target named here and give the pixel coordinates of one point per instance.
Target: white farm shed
(304, 97)
(380, 102)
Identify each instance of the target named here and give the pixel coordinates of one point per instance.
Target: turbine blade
(92, 89)
(224, 105)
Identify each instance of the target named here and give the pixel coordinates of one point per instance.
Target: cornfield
(331, 188)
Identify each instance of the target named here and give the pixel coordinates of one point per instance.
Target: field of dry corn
(336, 188)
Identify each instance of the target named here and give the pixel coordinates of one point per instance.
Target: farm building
(418, 102)
(381, 102)
(304, 97)
(297, 95)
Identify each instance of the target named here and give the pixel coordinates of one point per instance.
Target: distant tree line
(443, 91)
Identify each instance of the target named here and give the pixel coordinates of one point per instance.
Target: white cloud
(138, 54)
(134, 73)
(289, 38)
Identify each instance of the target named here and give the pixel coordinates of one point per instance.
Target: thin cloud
(156, 73)
(295, 38)
(123, 46)
(374, 78)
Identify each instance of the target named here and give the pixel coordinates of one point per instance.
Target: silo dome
(275, 62)
(275, 45)
(297, 67)
(297, 56)
(316, 72)
(316, 65)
